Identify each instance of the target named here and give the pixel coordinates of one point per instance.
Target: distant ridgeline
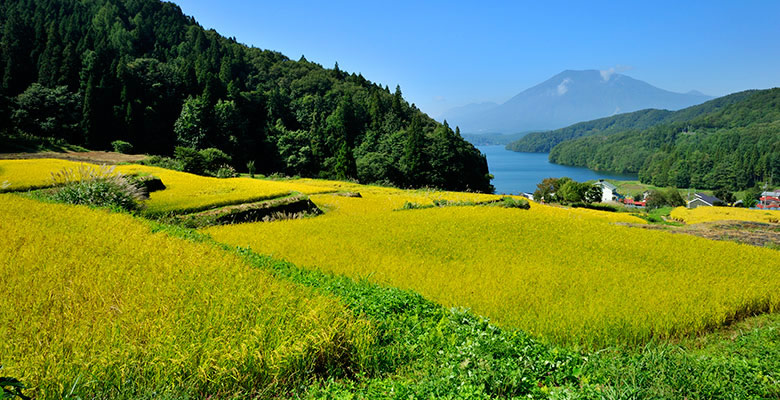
(731, 142)
(141, 71)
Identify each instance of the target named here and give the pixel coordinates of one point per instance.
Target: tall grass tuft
(102, 187)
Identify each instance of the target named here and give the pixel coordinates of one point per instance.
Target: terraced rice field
(188, 193)
(714, 214)
(95, 304)
(567, 275)
(30, 174)
(185, 192)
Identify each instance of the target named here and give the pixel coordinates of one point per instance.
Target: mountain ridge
(543, 142)
(566, 98)
(730, 143)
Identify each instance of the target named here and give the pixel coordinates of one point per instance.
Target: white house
(608, 191)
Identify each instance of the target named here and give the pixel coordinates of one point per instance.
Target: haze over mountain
(567, 98)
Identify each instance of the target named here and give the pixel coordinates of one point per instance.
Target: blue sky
(450, 53)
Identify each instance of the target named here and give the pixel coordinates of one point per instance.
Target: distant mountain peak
(569, 97)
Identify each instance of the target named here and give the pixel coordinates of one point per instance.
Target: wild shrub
(592, 206)
(661, 198)
(101, 187)
(415, 206)
(226, 171)
(214, 159)
(191, 160)
(163, 162)
(508, 202)
(120, 146)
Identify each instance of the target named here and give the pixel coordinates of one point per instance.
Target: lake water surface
(520, 172)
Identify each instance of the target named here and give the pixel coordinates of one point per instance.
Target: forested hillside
(543, 142)
(91, 72)
(733, 147)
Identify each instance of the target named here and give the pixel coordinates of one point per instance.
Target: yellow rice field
(567, 275)
(95, 303)
(30, 174)
(187, 192)
(571, 275)
(714, 214)
(184, 192)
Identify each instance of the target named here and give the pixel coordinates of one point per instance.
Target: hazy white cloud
(563, 87)
(607, 73)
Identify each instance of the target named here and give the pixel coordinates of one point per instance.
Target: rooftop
(605, 185)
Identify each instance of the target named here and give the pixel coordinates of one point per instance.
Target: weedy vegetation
(100, 187)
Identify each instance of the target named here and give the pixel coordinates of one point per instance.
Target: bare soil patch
(752, 233)
(93, 157)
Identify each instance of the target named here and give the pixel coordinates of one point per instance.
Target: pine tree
(412, 162)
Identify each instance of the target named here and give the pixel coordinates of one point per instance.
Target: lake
(520, 172)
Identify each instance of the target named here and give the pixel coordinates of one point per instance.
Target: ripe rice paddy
(30, 174)
(714, 214)
(188, 193)
(568, 275)
(97, 306)
(184, 193)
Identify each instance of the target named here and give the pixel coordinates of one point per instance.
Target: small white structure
(608, 191)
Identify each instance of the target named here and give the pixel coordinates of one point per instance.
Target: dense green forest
(543, 142)
(734, 146)
(95, 71)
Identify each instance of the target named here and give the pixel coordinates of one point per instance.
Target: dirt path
(753, 233)
(94, 157)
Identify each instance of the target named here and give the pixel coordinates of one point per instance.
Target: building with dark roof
(703, 200)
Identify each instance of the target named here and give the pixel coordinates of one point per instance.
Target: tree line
(735, 147)
(543, 142)
(93, 72)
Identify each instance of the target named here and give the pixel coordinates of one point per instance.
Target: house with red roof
(769, 200)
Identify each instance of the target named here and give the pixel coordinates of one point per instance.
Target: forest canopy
(93, 72)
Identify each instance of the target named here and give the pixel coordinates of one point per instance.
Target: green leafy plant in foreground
(11, 388)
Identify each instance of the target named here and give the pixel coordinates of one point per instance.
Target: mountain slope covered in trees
(543, 142)
(91, 72)
(734, 147)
